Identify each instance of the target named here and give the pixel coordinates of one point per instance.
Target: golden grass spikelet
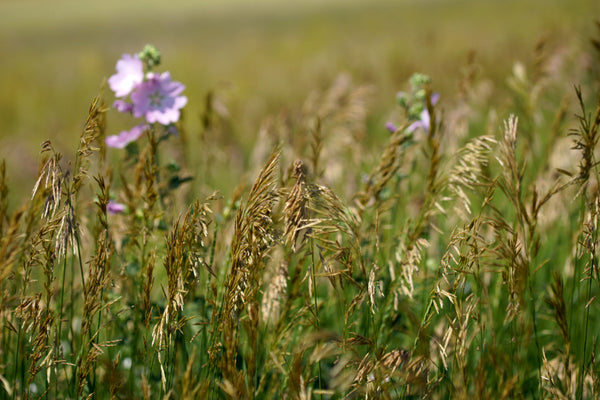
(586, 140)
(513, 238)
(374, 288)
(511, 174)
(253, 236)
(408, 259)
(67, 232)
(588, 244)
(275, 295)
(334, 229)
(186, 251)
(556, 301)
(41, 355)
(466, 252)
(317, 221)
(468, 172)
(457, 339)
(51, 175)
(98, 279)
(29, 312)
(562, 378)
(552, 383)
(388, 165)
(93, 132)
(376, 373)
(295, 210)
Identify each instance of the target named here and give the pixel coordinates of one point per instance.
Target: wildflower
(391, 127)
(125, 137)
(130, 73)
(424, 120)
(123, 106)
(114, 208)
(157, 99)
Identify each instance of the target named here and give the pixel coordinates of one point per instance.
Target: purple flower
(423, 122)
(123, 106)
(391, 127)
(125, 137)
(114, 208)
(130, 73)
(157, 99)
(424, 119)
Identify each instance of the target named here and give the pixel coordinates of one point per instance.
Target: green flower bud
(420, 94)
(402, 99)
(418, 80)
(414, 112)
(150, 56)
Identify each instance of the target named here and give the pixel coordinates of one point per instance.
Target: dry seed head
(388, 165)
(374, 288)
(51, 175)
(394, 359)
(408, 262)
(253, 237)
(275, 295)
(468, 172)
(296, 209)
(507, 158)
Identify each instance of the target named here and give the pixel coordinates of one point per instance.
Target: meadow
(374, 200)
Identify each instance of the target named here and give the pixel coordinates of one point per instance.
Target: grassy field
(308, 233)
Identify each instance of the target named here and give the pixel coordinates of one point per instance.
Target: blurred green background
(260, 57)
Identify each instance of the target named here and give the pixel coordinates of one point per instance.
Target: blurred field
(260, 57)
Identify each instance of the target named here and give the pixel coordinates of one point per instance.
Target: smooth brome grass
(454, 256)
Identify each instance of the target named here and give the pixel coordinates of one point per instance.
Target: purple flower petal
(391, 127)
(115, 208)
(414, 126)
(125, 137)
(157, 99)
(123, 106)
(423, 122)
(130, 73)
(435, 97)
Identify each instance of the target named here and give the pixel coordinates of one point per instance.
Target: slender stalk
(313, 275)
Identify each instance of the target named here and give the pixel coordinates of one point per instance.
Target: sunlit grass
(313, 253)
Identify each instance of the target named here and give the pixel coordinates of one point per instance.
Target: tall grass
(456, 261)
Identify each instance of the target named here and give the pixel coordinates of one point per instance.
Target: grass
(285, 244)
